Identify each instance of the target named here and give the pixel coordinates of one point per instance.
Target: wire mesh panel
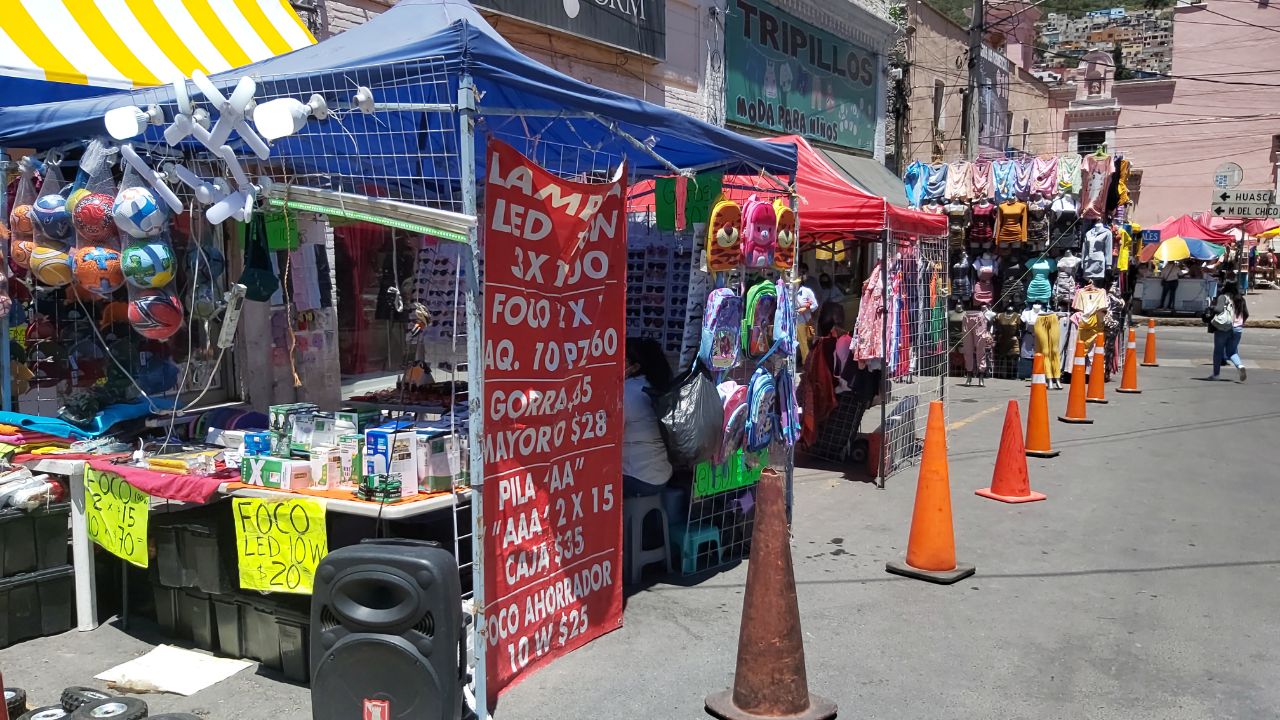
(916, 344)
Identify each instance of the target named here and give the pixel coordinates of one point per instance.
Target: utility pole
(975, 56)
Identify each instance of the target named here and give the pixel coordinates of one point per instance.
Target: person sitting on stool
(646, 469)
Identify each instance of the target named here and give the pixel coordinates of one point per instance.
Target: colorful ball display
(211, 263)
(51, 266)
(20, 221)
(205, 305)
(148, 264)
(155, 314)
(51, 217)
(97, 269)
(137, 213)
(93, 219)
(73, 200)
(21, 251)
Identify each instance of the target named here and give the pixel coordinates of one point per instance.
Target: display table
(1193, 297)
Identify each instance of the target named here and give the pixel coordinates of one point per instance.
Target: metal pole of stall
(475, 390)
(886, 384)
(6, 387)
(791, 361)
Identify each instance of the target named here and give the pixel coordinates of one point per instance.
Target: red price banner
(555, 255)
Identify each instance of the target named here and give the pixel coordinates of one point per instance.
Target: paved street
(1146, 586)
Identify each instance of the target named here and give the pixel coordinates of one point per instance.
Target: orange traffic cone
(931, 547)
(1149, 352)
(1129, 383)
(1075, 396)
(1098, 371)
(1010, 482)
(1038, 413)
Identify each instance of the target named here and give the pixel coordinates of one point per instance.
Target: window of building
(1089, 140)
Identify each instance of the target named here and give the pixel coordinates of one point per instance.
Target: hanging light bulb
(128, 122)
(286, 116)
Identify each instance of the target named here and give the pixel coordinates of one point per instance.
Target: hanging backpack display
(762, 410)
(724, 237)
(758, 318)
(691, 416)
(721, 330)
(784, 256)
(734, 397)
(784, 319)
(759, 233)
(788, 409)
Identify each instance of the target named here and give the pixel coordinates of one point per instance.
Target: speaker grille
(426, 626)
(327, 619)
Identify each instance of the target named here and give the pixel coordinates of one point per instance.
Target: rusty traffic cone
(770, 681)
(1098, 372)
(1075, 396)
(1010, 482)
(1038, 444)
(931, 547)
(1129, 382)
(1149, 352)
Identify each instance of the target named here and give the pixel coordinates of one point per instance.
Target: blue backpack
(721, 330)
(762, 406)
(788, 408)
(784, 320)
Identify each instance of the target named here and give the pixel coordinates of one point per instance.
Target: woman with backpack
(1226, 321)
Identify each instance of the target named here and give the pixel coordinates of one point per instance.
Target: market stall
(1198, 250)
(426, 122)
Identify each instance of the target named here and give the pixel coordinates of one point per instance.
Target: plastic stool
(635, 510)
(691, 540)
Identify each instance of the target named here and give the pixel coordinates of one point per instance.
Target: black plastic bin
(195, 553)
(36, 604)
(35, 540)
(196, 620)
(269, 629)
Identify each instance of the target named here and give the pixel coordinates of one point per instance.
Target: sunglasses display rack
(665, 291)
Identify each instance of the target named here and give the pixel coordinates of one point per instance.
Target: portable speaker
(387, 639)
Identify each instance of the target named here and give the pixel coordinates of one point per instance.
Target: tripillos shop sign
(786, 76)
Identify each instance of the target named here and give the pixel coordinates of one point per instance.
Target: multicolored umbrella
(1180, 248)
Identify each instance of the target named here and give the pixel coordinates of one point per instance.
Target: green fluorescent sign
(787, 77)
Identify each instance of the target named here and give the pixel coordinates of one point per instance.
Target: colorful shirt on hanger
(984, 290)
(1064, 289)
(1023, 174)
(1128, 248)
(1039, 289)
(1096, 180)
(914, 181)
(1097, 251)
(960, 180)
(1122, 180)
(1012, 225)
(1038, 223)
(1004, 175)
(957, 223)
(936, 186)
(983, 223)
(1069, 174)
(980, 179)
(869, 330)
(1044, 176)
(962, 278)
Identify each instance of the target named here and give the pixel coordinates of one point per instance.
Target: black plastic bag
(691, 416)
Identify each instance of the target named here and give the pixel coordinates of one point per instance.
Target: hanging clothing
(1122, 181)
(817, 390)
(1097, 252)
(1024, 171)
(1096, 175)
(1028, 326)
(1012, 291)
(984, 290)
(1038, 224)
(982, 223)
(1044, 176)
(960, 180)
(1127, 248)
(1064, 290)
(962, 278)
(976, 333)
(1069, 174)
(936, 186)
(869, 329)
(1092, 304)
(1113, 190)
(957, 223)
(980, 179)
(1008, 336)
(1048, 340)
(914, 181)
(1003, 177)
(1012, 225)
(1039, 289)
(1065, 231)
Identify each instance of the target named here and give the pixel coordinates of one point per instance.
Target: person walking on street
(806, 309)
(1169, 275)
(1229, 314)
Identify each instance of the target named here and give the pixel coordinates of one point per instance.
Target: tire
(77, 695)
(48, 712)
(113, 708)
(15, 701)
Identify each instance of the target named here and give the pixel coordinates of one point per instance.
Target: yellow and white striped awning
(139, 43)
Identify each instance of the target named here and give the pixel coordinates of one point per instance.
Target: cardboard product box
(294, 423)
(391, 454)
(351, 455)
(328, 427)
(276, 472)
(259, 442)
(445, 463)
(326, 467)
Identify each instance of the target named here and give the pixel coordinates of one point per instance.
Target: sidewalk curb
(1163, 321)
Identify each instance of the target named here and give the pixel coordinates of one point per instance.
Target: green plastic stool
(691, 540)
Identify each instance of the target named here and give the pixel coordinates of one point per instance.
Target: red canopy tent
(830, 207)
(1188, 227)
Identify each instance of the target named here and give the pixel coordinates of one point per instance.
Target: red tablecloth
(170, 486)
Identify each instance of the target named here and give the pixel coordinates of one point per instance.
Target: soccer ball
(97, 269)
(137, 213)
(51, 217)
(155, 314)
(92, 218)
(51, 266)
(21, 251)
(212, 263)
(148, 264)
(20, 221)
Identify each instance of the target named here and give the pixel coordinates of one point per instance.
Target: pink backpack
(759, 233)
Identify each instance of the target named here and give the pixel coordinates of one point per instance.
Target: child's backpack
(734, 397)
(724, 237)
(788, 408)
(784, 319)
(762, 410)
(759, 233)
(757, 319)
(784, 255)
(721, 330)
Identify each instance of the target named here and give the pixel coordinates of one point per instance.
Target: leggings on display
(977, 342)
(1049, 344)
